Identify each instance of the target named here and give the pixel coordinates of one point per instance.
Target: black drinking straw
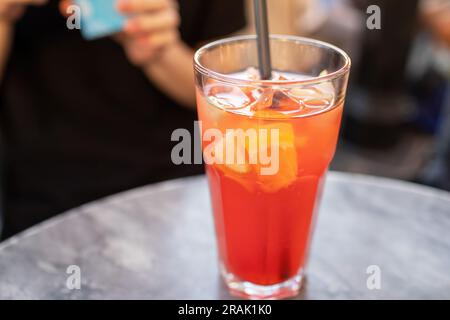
(262, 32)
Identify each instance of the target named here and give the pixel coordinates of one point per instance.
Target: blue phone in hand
(99, 18)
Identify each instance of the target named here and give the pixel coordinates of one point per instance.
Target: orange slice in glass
(282, 169)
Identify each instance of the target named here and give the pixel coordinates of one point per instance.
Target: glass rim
(239, 81)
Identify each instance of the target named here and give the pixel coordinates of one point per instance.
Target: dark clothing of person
(79, 122)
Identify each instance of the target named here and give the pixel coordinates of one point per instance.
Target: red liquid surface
(264, 222)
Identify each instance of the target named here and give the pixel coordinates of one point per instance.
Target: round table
(157, 242)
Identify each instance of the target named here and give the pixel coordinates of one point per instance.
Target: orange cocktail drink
(267, 146)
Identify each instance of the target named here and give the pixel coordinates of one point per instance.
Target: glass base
(244, 289)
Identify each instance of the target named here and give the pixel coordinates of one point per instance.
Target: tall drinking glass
(267, 145)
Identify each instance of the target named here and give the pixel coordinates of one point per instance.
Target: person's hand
(12, 10)
(152, 26)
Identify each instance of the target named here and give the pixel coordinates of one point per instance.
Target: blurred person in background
(436, 16)
(81, 120)
(378, 103)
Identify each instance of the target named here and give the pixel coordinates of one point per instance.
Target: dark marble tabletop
(157, 242)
